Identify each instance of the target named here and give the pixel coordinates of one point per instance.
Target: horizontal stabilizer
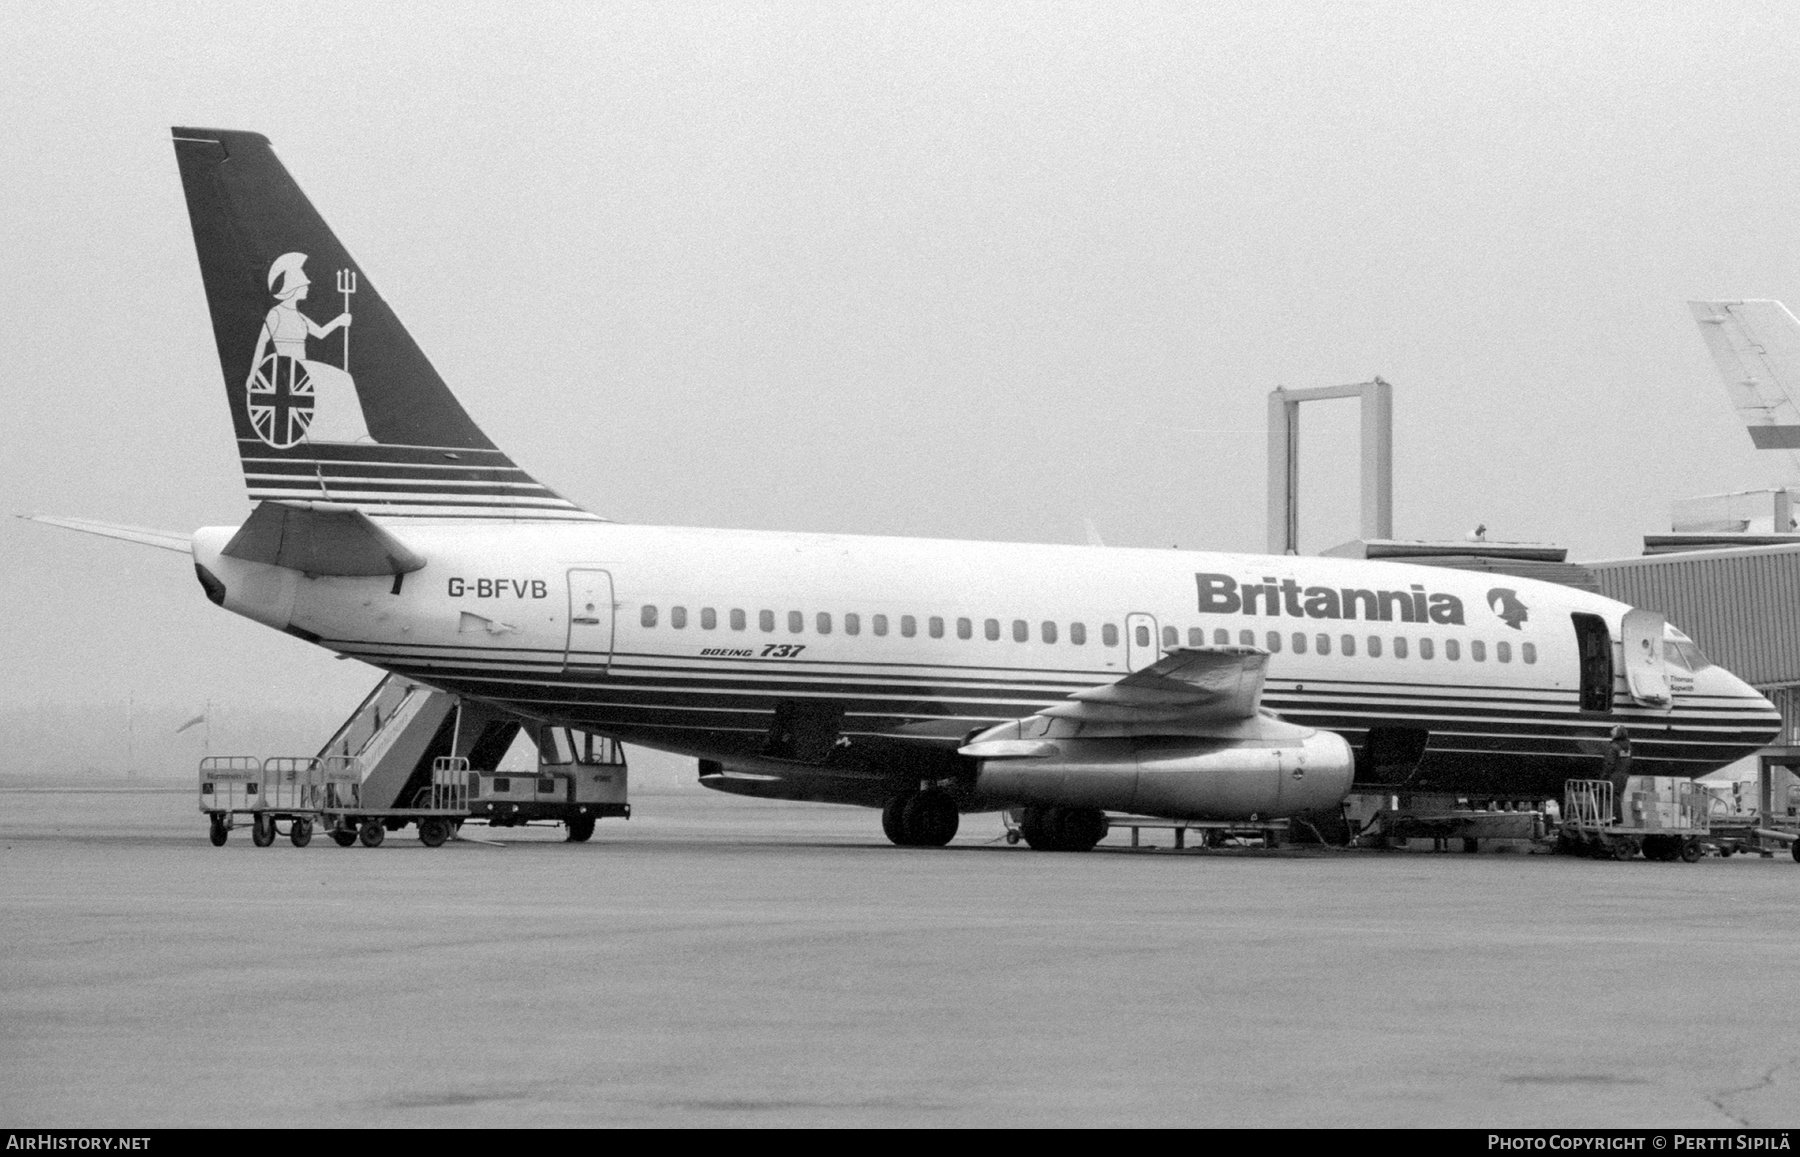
(143, 536)
(320, 538)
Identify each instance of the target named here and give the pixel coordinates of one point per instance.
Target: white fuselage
(688, 639)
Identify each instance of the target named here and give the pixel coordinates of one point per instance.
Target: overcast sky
(960, 270)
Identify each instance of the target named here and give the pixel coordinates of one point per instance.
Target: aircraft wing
(1756, 346)
(143, 536)
(1191, 689)
(1191, 684)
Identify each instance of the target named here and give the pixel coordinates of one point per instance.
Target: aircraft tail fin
(331, 400)
(1756, 346)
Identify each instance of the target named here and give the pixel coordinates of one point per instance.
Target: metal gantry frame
(1284, 460)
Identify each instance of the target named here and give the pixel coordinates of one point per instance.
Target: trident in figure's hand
(346, 284)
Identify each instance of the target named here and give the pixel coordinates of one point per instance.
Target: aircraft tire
(262, 831)
(1795, 849)
(581, 829)
(1078, 829)
(1039, 833)
(220, 833)
(893, 818)
(929, 819)
(300, 832)
(371, 833)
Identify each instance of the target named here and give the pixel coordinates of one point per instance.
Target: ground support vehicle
(267, 792)
(580, 778)
(1663, 817)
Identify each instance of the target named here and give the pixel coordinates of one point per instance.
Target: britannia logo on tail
(292, 398)
(1504, 601)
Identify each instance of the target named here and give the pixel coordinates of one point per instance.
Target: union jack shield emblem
(280, 399)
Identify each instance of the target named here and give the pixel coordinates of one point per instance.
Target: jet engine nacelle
(1181, 777)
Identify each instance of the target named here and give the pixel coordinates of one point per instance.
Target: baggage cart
(266, 792)
(1662, 817)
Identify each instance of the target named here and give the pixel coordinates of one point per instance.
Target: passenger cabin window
(1299, 643)
(1143, 635)
(1477, 650)
(1322, 644)
(1171, 637)
(1221, 637)
(1503, 652)
(737, 619)
(678, 618)
(1273, 643)
(1109, 634)
(990, 630)
(878, 624)
(1078, 634)
(1452, 650)
(1425, 650)
(852, 623)
(1528, 652)
(965, 629)
(796, 622)
(936, 626)
(909, 626)
(1399, 646)
(647, 616)
(823, 619)
(765, 620)
(1247, 638)
(709, 619)
(1021, 631)
(1349, 642)
(1374, 646)
(1047, 630)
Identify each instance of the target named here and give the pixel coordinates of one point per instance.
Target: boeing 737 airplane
(925, 678)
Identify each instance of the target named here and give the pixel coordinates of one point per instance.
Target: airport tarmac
(721, 961)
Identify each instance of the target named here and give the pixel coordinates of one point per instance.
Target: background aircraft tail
(1756, 345)
(330, 397)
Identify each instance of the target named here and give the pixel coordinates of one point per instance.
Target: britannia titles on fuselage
(1221, 594)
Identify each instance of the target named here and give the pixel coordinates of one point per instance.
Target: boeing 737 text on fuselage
(926, 678)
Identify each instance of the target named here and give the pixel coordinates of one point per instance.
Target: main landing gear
(920, 819)
(1063, 829)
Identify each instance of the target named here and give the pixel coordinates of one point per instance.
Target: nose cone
(1743, 714)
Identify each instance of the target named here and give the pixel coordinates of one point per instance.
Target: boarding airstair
(414, 755)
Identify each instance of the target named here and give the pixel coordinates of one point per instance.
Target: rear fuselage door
(1141, 648)
(590, 638)
(1645, 674)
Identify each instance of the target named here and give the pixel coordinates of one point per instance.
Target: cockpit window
(1685, 655)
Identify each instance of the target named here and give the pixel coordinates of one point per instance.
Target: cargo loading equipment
(1664, 817)
(410, 754)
